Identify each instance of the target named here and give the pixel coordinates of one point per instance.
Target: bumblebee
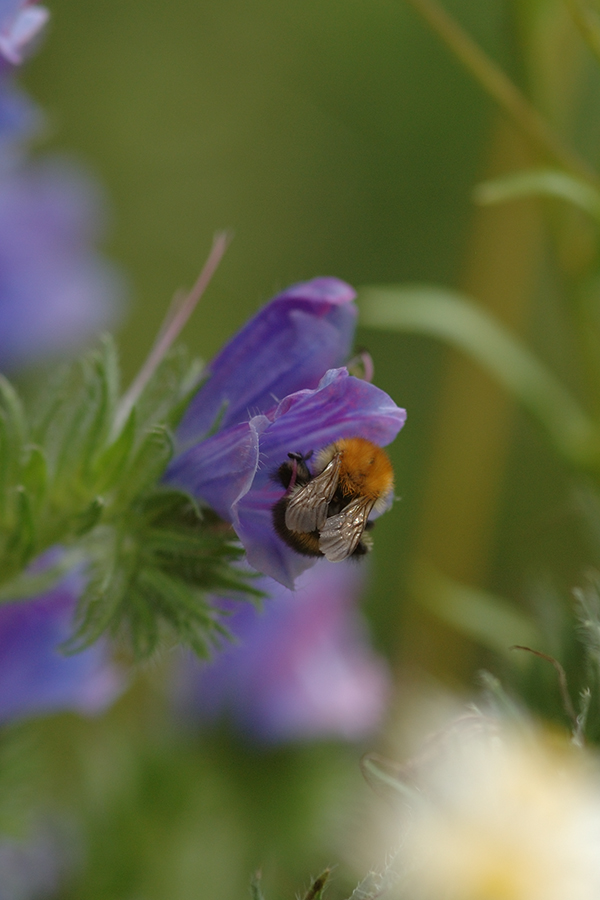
(325, 512)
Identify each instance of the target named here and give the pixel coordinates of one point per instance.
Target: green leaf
(190, 617)
(146, 466)
(90, 517)
(13, 434)
(100, 604)
(103, 387)
(112, 459)
(152, 558)
(540, 183)
(34, 474)
(457, 320)
(22, 539)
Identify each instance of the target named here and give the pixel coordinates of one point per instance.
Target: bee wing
(307, 507)
(341, 533)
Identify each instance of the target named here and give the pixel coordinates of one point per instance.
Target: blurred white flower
(503, 814)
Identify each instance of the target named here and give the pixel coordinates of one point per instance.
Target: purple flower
(277, 388)
(303, 668)
(35, 676)
(35, 866)
(55, 290)
(21, 21)
(20, 119)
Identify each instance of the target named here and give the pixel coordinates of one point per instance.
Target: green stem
(499, 86)
(179, 312)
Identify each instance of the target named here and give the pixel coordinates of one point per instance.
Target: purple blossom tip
(285, 347)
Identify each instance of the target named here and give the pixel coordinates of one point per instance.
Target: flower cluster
(277, 387)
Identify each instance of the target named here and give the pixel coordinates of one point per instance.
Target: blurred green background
(336, 138)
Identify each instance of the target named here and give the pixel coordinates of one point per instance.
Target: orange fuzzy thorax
(365, 471)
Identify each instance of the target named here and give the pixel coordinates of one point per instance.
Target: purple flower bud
(287, 346)
(55, 290)
(278, 391)
(302, 669)
(35, 676)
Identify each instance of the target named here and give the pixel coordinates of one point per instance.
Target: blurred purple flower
(20, 119)
(21, 22)
(36, 866)
(35, 676)
(55, 290)
(303, 667)
(277, 389)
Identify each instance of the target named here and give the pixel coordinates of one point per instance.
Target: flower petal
(35, 677)
(286, 346)
(220, 469)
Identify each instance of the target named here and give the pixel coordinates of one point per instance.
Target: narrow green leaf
(90, 517)
(34, 474)
(13, 434)
(13, 408)
(109, 368)
(22, 539)
(79, 412)
(540, 183)
(484, 617)
(112, 460)
(142, 622)
(99, 606)
(166, 504)
(147, 464)
(456, 319)
(95, 431)
(7, 452)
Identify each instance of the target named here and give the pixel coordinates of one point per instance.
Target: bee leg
(295, 472)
